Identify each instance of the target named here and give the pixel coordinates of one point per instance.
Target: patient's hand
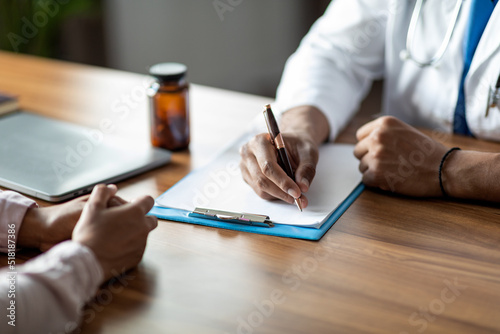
(45, 227)
(116, 234)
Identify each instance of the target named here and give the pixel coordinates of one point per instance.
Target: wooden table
(390, 264)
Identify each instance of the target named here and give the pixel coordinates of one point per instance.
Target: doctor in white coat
(440, 61)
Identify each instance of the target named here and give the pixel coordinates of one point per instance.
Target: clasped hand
(113, 229)
(398, 158)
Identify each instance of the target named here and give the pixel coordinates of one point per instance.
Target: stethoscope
(407, 54)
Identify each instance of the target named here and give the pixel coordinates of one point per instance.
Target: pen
(497, 88)
(493, 97)
(277, 140)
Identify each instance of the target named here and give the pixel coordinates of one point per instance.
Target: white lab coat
(357, 41)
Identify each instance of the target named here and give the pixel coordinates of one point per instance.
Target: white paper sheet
(220, 186)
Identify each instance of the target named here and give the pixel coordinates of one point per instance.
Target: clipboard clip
(234, 217)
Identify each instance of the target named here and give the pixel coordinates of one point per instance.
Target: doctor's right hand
(303, 130)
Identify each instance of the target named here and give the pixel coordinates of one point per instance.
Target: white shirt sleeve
(337, 61)
(48, 292)
(13, 207)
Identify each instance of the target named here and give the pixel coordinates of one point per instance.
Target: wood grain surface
(391, 264)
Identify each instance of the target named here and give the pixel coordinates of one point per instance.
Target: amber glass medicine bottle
(169, 104)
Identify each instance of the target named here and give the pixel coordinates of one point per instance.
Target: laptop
(57, 161)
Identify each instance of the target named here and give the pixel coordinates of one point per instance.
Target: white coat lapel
(483, 74)
(489, 42)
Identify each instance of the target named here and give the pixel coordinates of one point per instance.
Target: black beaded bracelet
(441, 168)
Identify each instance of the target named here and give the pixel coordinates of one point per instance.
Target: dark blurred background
(233, 44)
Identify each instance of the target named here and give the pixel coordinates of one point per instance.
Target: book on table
(8, 103)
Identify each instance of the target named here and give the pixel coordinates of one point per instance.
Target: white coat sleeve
(48, 292)
(336, 62)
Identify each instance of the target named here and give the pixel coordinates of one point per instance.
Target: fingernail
(293, 193)
(305, 182)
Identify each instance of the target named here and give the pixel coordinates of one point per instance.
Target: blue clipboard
(279, 230)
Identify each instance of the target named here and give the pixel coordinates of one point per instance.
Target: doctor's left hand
(397, 157)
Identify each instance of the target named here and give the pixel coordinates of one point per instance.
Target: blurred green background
(62, 29)
(222, 50)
